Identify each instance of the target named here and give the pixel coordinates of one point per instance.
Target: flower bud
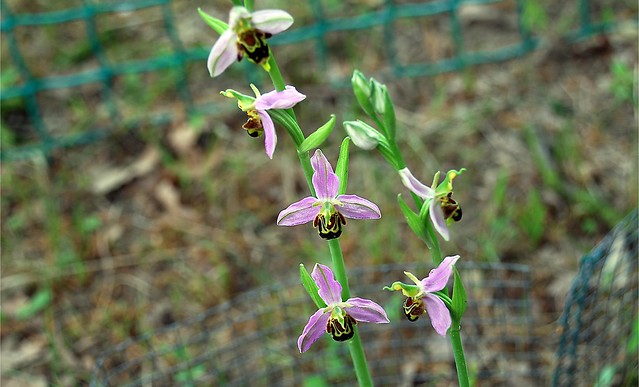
(363, 135)
(362, 91)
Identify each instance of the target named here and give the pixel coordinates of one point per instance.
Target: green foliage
(314, 381)
(623, 85)
(534, 15)
(341, 170)
(317, 138)
(459, 303)
(499, 218)
(414, 222)
(606, 376)
(532, 218)
(7, 137)
(40, 301)
(311, 288)
(216, 24)
(633, 342)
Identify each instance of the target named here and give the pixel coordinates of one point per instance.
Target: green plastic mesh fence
(94, 88)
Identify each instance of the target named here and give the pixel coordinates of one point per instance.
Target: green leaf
(414, 222)
(459, 298)
(217, 25)
(341, 170)
(39, 301)
(318, 137)
(314, 381)
(311, 288)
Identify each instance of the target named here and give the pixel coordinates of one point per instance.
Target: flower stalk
(432, 202)
(355, 346)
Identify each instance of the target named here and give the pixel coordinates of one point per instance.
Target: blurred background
(132, 199)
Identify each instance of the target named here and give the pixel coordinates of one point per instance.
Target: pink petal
(437, 217)
(299, 212)
(279, 99)
(329, 289)
(366, 311)
(415, 185)
(439, 276)
(325, 181)
(223, 53)
(358, 208)
(270, 137)
(272, 21)
(313, 330)
(438, 313)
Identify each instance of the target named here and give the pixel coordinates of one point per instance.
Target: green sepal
(414, 221)
(446, 185)
(363, 135)
(243, 101)
(311, 288)
(389, 116)
(407, 290)
(318, 137)
(459, 298)
(341, 169)
(383, 106)
(218, 25)
(362, 91)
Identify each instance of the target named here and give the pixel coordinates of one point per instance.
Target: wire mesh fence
(99, 73)
(252, 339)
(598, 345)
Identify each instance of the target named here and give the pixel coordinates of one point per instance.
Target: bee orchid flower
(328, 210)
(246, 36)
(420, 298)
(257, 108)
(442, 207)
(338, 317)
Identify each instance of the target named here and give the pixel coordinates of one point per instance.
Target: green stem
(355, 344)
(460, 359)
(436, 252)
(275, 74)
(437, 258)
(308, 170)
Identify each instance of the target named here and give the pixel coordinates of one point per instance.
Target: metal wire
(251, 340)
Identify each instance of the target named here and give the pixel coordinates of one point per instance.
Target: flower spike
(328, 211)
(338, 317)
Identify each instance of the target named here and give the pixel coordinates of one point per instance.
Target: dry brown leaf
(183, 138)
(14, 354)
(110, 178)
(169, 197)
